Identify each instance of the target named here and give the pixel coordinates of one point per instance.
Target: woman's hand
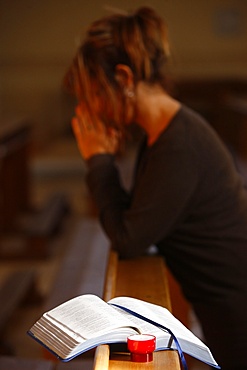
(92, 136)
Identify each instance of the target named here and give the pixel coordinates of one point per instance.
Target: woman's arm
(163, 187)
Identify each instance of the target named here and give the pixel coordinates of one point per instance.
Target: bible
(87, 321)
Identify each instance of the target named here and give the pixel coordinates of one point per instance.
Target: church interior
(43, 194)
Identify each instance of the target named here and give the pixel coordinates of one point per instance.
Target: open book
(87, 321)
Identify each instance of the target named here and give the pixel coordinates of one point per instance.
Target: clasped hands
(92, 136)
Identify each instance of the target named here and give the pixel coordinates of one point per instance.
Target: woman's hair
(138, 40)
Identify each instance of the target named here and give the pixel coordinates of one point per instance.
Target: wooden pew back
(143, 278)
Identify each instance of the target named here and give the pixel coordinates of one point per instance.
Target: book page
(188, 341)
(87, 316)
(158, 314)
(147, 328)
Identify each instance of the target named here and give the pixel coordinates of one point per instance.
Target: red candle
(141, 347)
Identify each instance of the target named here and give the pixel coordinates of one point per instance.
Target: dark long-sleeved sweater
(188, 200)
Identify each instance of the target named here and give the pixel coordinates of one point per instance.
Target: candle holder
(141, 347)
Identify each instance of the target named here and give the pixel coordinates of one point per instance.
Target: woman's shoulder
(191, 126)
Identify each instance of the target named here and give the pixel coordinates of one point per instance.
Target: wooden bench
(100, 272)
(143, 278)
(15, 140)
(19, 363)
(83, 266)
(89, 266)
(82, 270)
(17, 287)
(42, 224)
(46, 221)
(14, 171)
(117, 279)
(30, 239)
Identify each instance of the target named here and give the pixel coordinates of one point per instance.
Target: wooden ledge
(168, 360)
(143, 278)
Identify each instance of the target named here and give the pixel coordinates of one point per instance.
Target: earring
(129, 93)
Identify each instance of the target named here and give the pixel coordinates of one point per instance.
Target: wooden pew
(17, 287)
(19, 363)
(88, 266)
(83, 266)
(14, 172)
(42, 225)
(142, 278)
(82, 270)
(17, 241)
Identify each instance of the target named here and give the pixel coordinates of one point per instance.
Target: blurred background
(39, 39)
(41, 172)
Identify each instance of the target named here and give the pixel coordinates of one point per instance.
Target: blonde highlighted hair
(138, 40)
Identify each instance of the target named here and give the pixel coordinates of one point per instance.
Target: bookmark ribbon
(173, 337)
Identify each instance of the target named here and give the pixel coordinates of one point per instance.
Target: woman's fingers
(84, 120)
(92, 136)
(75, 126)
